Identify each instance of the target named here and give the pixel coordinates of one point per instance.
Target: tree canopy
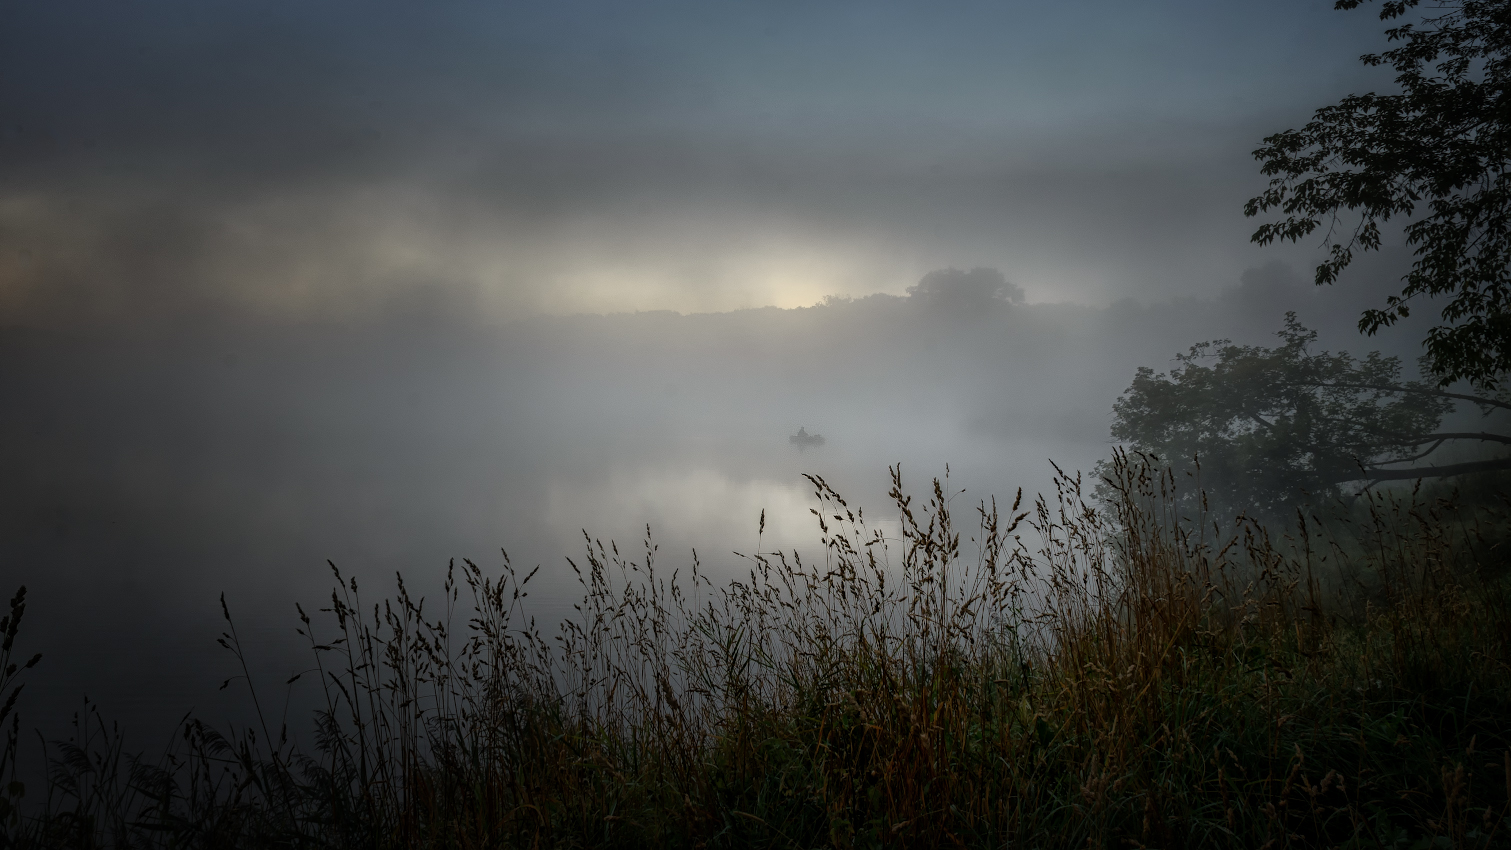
(1438, 153)
(1274, 426)
(979, 287)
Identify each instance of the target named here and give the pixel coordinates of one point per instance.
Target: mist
(149, 470)
(386, 285)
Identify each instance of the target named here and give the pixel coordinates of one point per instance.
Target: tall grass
(1066, 673)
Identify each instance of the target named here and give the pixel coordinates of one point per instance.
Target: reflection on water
(698, 505)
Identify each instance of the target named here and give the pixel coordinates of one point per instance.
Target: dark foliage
(1276, 427)
(1437, 153)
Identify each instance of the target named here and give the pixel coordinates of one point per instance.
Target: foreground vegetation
(1064, 675)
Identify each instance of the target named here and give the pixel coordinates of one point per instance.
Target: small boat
(802, 439)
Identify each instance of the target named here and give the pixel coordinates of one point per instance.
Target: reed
(1072, 672)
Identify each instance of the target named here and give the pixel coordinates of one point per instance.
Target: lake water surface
(145, 474)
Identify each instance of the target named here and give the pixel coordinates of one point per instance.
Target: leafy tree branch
(1437, 154)
(1275, 426)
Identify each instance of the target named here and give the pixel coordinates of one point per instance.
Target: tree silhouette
(975, 289)
(1437, 153)
(1273, 426)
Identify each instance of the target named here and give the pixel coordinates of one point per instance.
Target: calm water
(144, 475)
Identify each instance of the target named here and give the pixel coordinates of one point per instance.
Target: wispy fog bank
(148, 469)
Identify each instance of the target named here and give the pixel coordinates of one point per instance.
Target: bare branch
(1390, 388)
(1447, 435)
(1416, 457)
(1431, 471)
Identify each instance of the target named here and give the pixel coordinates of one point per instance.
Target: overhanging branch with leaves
(1275, 426)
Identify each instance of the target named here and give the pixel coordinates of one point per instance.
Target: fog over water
(391, 283)
(148, 472)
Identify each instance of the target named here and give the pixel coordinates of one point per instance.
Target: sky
(502, 159)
